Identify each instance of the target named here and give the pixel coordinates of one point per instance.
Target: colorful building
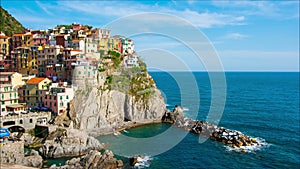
(47, 55)
(130, 61)
(9, 100)
(58, 97)
(26, 60)
(32, 92)
(9, 83)
(17, 40)
(11, 78)
(4, 46)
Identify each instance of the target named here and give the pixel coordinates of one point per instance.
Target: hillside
(8, 24)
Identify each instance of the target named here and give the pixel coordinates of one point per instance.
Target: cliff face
(116, 95)
(102, 111)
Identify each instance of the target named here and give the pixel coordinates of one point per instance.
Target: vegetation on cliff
(8, 24)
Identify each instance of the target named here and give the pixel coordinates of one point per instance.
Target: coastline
(126, 126)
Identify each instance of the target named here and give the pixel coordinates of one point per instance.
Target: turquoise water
(263, 105)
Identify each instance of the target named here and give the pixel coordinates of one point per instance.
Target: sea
(263, 105)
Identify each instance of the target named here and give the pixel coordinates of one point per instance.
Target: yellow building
(103, 46)
(27, 40)
(9, 83)
(11, 78)
(27, 60)
(4, 46)
(33, 91)
(9, 100)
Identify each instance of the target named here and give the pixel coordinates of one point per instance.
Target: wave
(143, 162)
(185, 109)
(261, 144)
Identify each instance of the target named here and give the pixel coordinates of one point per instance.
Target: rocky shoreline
(232, 138)
(93, 160)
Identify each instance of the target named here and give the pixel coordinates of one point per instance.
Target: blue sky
(246, 35)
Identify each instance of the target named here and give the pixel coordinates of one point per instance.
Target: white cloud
(124, 8)
(275, 9)
(235, 36)
(43, 7)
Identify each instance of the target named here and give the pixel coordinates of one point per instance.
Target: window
(67, 97)
(61, 97)
(21, 121)
(55, 104)
(79, 72)
(30, 120)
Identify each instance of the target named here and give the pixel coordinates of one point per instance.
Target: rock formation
(68, 142)
(13, 153)
(93, 160)
(99, 111)
(205, 129)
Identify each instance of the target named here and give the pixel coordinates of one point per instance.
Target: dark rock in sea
(133, 160)
(205, 129)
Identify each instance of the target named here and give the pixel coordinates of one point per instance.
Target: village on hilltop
(38, 68)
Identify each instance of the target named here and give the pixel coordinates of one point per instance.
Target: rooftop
(18, 34)
(15, 106)
(4, 37)
(35, 80)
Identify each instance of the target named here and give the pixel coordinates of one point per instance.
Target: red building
(60, 40)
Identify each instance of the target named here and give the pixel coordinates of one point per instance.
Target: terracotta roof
(18, 34)
(76, 40)
(4, 37)
(77, 50)
(35, 80)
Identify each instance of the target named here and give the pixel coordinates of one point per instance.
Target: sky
(185, 35)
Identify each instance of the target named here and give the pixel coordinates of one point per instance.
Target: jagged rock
(34, 160)
(220, 134)
(97, 111)
(71, 142)
(93, 160)
(13, 153)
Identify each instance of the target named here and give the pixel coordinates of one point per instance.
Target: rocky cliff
(68, 142)
(106, 105)
(13, 153)
(102, 111)
(93, 160)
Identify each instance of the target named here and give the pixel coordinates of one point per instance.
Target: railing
(28, 115)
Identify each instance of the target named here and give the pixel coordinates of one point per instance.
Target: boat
(117, 133)
(125, 131)
(4, 132)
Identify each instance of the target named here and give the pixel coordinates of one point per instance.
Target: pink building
(40, 39)
(58, 97)
(76, 26)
